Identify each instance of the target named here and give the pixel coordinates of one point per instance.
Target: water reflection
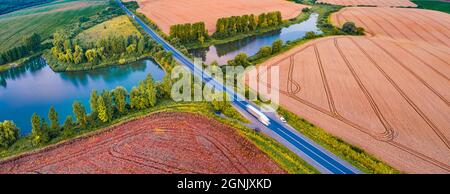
(34, 87)
(251, 45)
(35, 64)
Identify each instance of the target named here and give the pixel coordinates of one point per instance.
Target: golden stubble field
(166, 13)
(387, 92)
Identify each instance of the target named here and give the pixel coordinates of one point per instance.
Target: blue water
(34, 87)
(224, 52)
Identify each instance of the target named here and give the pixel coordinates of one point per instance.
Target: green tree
(148, 87)
(108, 99)
(102, 113)
(141, 46)
(240, 60)
(93, 101)
(135, 98)
(131, 49)
(35, 125)
(80, 114)
(310, 35)
(9, 133)
(165, 87)
(53, 117)
(68, 123)
(264, 51)
(68, 127)
(349, 28)
(120, 98)
(276, 46)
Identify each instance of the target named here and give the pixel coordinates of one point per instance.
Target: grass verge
(354, 155)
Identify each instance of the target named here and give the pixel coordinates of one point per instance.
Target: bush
(9, 133)
(306, 9)
(264, 51)
(310, 35)
(350, 28)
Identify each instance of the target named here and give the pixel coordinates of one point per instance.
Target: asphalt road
(312, 153)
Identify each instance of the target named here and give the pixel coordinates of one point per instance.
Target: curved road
(312, 153)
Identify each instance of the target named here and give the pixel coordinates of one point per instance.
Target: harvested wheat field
(379, 3)
(387, 93)
(159, 143)
(430, 28)
(166, 13)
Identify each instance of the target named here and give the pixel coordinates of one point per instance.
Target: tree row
(230, 26)
(29, 45)
(189, 33)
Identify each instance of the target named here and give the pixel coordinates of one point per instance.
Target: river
(251, 45)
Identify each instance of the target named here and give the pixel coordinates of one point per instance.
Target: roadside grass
(120, 26)
(44, 19)
(287, 160)
(437, 5)
(354, 155)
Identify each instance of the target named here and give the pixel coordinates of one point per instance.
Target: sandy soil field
(379, 3)
(166, 13)
(159, 143)
(387, 92)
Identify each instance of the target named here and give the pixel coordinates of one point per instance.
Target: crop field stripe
(436, 56)
(412, 104)
(411, 72)
(365, 24)
(399, 19)
(292, 82)
(420, 155)
(325, 83)
(389, 133)
(388, 21)
(415, 18)
(421, 60)
(432, 19)
(334, 115)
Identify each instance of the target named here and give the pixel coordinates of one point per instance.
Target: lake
(251, 45)
(34, 87)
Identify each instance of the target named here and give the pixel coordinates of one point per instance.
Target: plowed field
(159, 143)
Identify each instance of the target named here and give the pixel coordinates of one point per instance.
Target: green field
(44, 19)
(438, 5)
(121, 26)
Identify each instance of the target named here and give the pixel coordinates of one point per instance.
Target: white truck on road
(258, 114)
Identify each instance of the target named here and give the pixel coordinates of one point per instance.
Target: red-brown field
(379, 3)
(159, 143)
(166, 13)
(387, 92)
